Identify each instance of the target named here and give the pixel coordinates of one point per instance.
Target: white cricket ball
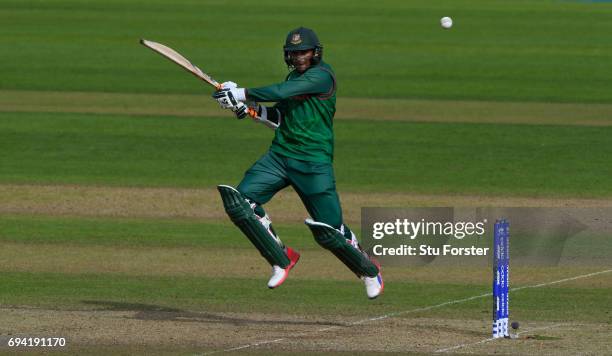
(446, 22)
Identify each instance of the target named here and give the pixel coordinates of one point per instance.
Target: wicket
(501, 280)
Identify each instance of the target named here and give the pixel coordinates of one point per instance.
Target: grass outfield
(497, 50)
(370, 109)
(304, 297)
(370, 156)
(78, 231)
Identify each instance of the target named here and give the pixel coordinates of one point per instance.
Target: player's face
(301, 59)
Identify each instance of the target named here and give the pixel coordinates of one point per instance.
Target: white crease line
(561, 280)
(386, 316)
(543, 328)
(248, 345)
(492, 339)
(464, 345)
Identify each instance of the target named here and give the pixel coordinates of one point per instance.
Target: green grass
(305, 297)
(210, 294)
(388, 156)
(497, 50)
(528, 250)
(72, 231)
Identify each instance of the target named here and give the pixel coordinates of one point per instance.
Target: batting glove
(229, 85)
(229, 98)
(242, 110)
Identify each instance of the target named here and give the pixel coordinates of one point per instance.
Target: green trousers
(314, 182)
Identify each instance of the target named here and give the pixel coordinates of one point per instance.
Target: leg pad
(333, 240)
(257, 229)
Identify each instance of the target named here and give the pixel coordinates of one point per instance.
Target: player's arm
(314, 81)
(269, 116)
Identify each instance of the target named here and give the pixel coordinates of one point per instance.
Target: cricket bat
(177, 58)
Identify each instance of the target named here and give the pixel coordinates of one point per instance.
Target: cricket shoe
(279, 274)
(374, 285)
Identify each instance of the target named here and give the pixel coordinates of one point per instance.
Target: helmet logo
(296, 39)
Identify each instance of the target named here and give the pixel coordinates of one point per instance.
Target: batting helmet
(300, 39)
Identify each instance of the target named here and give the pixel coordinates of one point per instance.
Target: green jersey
(307, 103)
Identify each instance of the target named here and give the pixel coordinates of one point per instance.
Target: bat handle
(252, 113)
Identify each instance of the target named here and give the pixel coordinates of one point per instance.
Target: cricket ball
(446, 22)
(515, 325)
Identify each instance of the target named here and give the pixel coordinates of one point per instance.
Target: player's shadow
(161, 313)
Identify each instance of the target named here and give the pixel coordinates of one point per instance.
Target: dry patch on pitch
(150, 327)
(348, 108)
(91, 201)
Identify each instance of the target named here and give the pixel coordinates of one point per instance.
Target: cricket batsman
(300, 156)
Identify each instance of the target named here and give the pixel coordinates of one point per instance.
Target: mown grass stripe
(520, 51)
(430, 158)
(370, 109)
(113, 232)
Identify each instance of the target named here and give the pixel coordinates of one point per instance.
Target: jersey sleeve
(313, 81)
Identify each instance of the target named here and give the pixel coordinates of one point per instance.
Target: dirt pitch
(152, 329)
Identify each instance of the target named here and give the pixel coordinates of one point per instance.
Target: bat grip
(252, 113)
